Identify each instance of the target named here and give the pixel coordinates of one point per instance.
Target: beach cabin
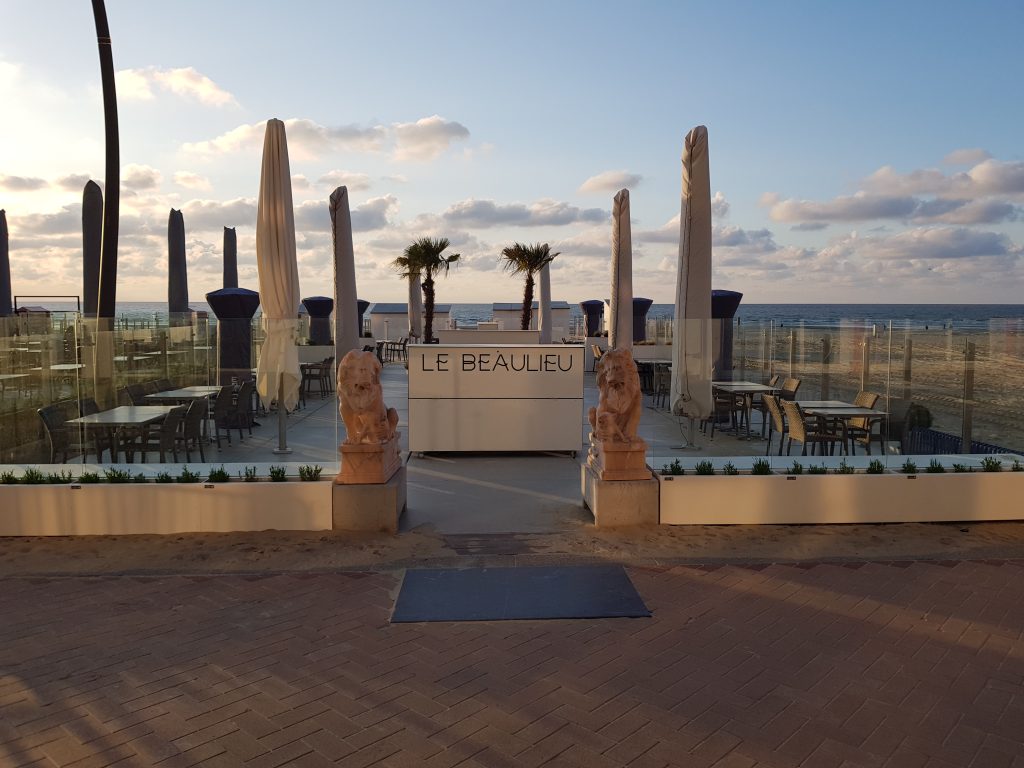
(507, 315)
(391, 321)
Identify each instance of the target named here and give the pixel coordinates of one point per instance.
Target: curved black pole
(108, 257)
(92, 246)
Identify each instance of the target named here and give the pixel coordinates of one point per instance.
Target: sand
(279, 551)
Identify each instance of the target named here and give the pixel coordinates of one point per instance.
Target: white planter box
(857, 498)
(131, 508)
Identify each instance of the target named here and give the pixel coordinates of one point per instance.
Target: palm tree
(527, 260)
(426, 258)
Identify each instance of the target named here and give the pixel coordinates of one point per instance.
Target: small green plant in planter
(218, 475)
(250, 475)
(308, 473)
(844, 468)
(817, 469)
(188, 476)
(796, 468)
(935, 467)
(140, 478)
(8, 478)
(33, 476)
(991, 464)
(115, 475)
(909, 468)
(761, 467)
(730, 469)
(675, 468)
(164, 477)
(876, 467)
(704, 468)
(961, 468)
(89, 478)
(278, 474)
(60, 478)
(1017, 466)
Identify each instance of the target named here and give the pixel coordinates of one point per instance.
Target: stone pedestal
(370, 506)
(369, 463)
(617, 503)
(618, 460)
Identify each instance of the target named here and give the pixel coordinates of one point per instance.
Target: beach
(284, 551)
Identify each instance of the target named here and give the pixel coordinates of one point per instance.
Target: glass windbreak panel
(928, 414)
(992, 400)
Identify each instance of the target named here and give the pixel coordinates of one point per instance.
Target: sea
(909, 316)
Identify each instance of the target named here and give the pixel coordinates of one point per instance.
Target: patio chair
(150, 387)
(310, 373)
(861, 429)
(64, 440)
(164, 437)
(776, 422)
(789, 389)
(800, 431)
(163, 385)
(221, 411)
(192, 432)
(242, 414)
(137, 394)
(757, 404)
(731, 406)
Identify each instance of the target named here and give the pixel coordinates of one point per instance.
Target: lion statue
(367, 419)
(617, 414)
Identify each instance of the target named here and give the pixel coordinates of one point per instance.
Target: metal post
(865, 364)
(826, 353)
(968, 421)
(792, 354)
(282, 419)
(908, 356)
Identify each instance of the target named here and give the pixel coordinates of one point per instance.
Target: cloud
(809, 226)
(940, 243)
(214, 214)
(190, 180)
(139, 84)
(299, 181)
(314, 215)
(480, 214)
(869, 207)
(356, 182)
(140, 177)
(966, 157)
(74, 182)
(988, 177)
(68, 220)
(719, 206)
(610, 181)
(22, 183)
(305, 137)
(426, 138)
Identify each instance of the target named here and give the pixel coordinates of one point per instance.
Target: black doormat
(493, 594)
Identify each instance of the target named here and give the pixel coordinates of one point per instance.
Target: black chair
(164, 437)
(192, 432)
(137, 393)
(221, 413)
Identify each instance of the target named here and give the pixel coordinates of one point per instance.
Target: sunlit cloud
(140, 84)
(22, 183)
(356, 182)
(140, 177)
(610, 181)
(426, 138)
(190, 180)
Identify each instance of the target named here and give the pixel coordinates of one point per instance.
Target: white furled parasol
(620, 324)
(544, 309)
(346, 310)
(691, 338)
(277, 373)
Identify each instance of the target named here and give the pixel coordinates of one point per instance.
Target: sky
(859, 152)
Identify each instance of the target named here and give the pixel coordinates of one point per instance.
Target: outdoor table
(123, 417)
(183, 394)
(844, 414)
(807, 404)
(5, 377)
(747, 389)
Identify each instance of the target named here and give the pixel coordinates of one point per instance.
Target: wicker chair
(776, 422)
(789, 389)
(192, 431)
(860, 429)
(221, 413)
(802, 433)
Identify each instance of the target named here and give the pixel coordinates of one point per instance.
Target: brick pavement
(812, 665)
